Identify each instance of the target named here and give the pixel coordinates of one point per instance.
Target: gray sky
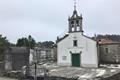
(47, 19)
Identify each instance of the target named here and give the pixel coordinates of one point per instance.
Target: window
(64, 57)
(78, 28)
(73, 29)
(77, 21)
(72, 22)
(106, 49)
(74, 42)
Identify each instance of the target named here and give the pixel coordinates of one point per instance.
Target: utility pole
(35, 62)
(35, 77)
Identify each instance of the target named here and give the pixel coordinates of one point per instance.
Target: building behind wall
(109, 51)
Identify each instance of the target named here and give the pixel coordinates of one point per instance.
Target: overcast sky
(47, 19)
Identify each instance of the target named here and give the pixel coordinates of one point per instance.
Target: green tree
(31, 42)
(38, 44)
(26, 42)
(46, 44)
(3, 44)
(22, 42)
(113, 37)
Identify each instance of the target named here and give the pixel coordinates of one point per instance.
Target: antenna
(75, 2)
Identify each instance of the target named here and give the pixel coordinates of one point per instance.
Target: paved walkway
(3, 78)
(82, 73)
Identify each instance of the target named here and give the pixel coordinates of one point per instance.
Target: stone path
(3, 78)
(82, 73)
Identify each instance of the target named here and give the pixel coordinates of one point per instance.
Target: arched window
(72, 22)
(77, 21)
(73, 29)
(78, 28)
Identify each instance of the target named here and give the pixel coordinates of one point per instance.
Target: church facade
(75, 49)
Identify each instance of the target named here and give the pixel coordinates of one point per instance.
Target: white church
(75, 49)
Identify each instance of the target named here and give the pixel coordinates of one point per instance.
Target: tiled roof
(107, 41)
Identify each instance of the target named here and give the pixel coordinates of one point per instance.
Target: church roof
(75, 15)
(60, 39)
(89, 37)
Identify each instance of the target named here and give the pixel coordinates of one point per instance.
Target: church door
(76, 60)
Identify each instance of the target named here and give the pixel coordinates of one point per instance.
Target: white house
(75, 49)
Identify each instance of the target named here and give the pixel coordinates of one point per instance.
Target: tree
(31, 42)
(38, 44)
(3, 44)
(108, 36)
(22, 42)
(46, 44)
(26, 42)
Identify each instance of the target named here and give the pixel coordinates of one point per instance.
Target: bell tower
(75, 21)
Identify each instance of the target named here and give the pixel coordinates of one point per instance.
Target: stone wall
(16, 57)
(1, 68)
(113, 77)
(55, 54)
(109, 53)
(43, 54)
(50, 78)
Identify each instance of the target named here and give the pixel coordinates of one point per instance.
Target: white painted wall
(8, 62)
(31, 56)
(87, 46)
(8, 65)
